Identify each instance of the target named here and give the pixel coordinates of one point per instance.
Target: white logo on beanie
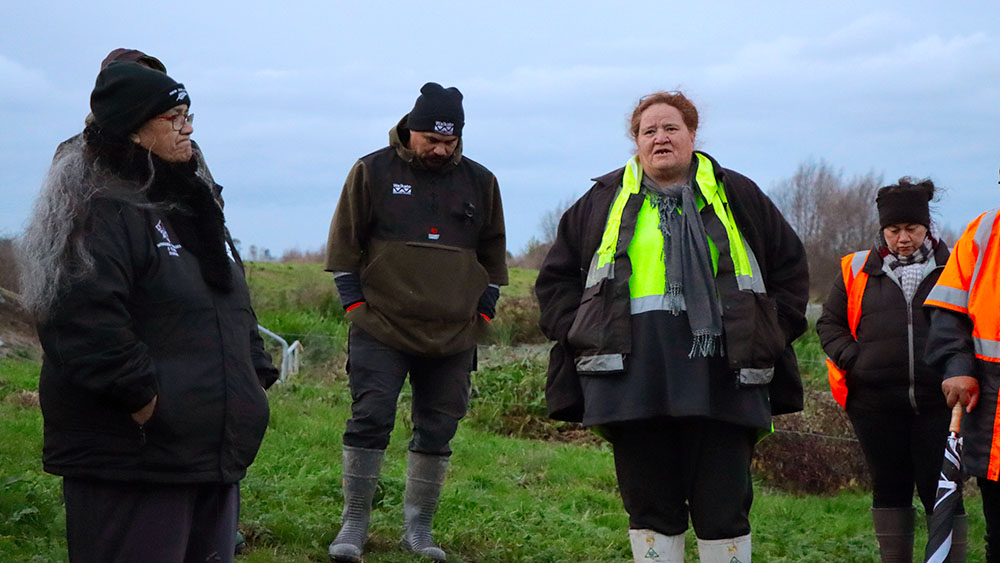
(444, 127)
(181, 93)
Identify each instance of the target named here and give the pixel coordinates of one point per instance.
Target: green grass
(508, 498)
(32, 522)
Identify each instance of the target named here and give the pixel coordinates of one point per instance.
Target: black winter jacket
(149, 324)
(563, 275)
(885, 366)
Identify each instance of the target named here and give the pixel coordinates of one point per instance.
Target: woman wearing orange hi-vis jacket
(873, 330)
(964, 343)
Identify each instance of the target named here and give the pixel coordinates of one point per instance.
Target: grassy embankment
(509, 497)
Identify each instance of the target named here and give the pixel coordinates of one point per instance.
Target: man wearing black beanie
(418, 251)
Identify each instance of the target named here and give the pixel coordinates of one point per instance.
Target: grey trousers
(376, 373)
(123, 522)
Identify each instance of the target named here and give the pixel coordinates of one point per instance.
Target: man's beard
(433, 162)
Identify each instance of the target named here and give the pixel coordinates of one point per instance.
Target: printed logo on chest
(402, 189)
(166, 243)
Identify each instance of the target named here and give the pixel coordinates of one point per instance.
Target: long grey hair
(52, 250)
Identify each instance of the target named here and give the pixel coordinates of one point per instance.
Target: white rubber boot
(651, 547)
(729, 550)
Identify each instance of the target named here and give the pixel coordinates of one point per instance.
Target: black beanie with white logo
(127, 95)
(437, 110)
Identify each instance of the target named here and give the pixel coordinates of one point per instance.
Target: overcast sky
(288, 95)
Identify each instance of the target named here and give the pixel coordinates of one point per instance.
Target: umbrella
(949, 495)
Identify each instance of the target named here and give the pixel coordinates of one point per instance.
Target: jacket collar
(614, 178)
(399, 136)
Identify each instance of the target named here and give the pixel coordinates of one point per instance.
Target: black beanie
(437, 110)
(905, 203)
(127, 95)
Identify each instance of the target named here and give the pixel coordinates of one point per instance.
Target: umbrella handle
(956, 418)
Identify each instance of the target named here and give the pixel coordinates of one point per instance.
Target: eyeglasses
(178, 120)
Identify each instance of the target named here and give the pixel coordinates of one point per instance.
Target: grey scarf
(909, 270)
(690, 282)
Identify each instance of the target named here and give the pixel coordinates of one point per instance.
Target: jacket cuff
(487, 306)
(849, 357)
(958, 365)
(268, 376)
(133, 398)
(349, 288)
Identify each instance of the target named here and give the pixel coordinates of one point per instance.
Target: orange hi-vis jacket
(969, 286)
(855, 280)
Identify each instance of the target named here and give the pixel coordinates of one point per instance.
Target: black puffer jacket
(885, 366)
(168, 315)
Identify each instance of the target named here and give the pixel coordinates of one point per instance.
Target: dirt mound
(17, 332)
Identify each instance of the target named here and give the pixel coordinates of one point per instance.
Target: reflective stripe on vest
(648, 283)
(970, 284)
(855, 281)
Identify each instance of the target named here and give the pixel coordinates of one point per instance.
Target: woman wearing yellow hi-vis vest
(673, 290)
(874, 331)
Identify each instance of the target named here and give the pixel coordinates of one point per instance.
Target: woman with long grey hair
(152, 384)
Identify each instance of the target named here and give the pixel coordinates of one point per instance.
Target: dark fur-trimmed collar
(183, 196)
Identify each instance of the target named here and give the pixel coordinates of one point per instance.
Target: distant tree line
(833, 216)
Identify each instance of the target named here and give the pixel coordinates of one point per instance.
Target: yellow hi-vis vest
(648, 282)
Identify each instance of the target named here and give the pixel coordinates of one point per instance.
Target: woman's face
(159, 135)
(665, 144)
(904, 238)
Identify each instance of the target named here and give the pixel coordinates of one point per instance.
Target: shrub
(516, 321)
(814, 451)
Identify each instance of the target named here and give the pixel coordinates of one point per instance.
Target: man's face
(433, 150)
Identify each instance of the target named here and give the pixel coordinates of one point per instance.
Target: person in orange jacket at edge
(964, 344)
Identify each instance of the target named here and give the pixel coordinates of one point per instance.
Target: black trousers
(991, 511)
(902, 449)
(670, 468)
(123, 522)
(376, 374)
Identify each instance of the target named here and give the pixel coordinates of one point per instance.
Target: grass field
(517, 491)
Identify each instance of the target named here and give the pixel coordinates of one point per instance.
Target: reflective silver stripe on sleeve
(755, 281)
(988, 348)
(982, 239)
(949, 295)
(595, 274)
(756, 376)
(600, 364)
